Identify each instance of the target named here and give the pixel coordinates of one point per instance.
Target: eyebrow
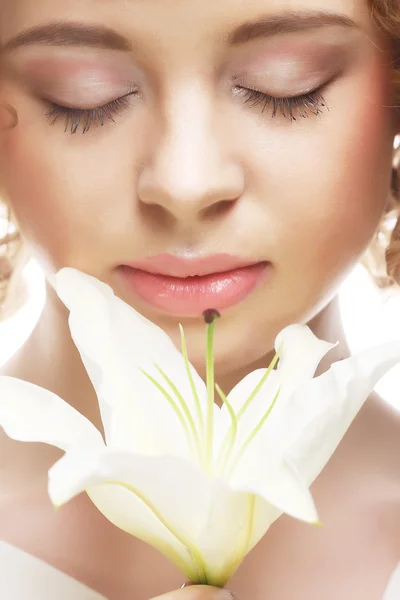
(78, 34)
(289, 22)
(71, 34)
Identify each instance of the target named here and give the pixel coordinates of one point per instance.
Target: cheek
(61, 198)
(38, 203)
(28, 190)
(336, 181)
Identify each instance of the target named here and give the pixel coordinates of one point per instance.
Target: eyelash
(74, 117)
(312, 102)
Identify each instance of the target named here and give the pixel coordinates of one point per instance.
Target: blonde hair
(382, 258)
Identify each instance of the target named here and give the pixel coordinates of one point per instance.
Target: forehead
(171, 20)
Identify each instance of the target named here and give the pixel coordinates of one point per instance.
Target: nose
(191, 172)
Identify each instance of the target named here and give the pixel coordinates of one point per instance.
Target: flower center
(200, 431)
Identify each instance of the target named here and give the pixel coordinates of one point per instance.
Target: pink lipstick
(188, 287)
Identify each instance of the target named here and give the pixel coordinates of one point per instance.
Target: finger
(198, 592)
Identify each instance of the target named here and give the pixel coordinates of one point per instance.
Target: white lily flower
(200, 483)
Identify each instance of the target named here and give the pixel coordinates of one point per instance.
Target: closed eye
(289, 107)
(96, 117)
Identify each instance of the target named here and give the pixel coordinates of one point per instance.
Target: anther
(211, 315)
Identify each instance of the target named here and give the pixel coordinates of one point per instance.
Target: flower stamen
(227, 444)
(210, 317)
(175, 408)
(191, 381)
(184, 408)
(261, 383)
(252, 435)
(230, 439)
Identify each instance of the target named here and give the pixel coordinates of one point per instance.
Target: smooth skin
(190, 167)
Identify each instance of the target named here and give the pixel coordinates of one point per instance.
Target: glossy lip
(189, 287)
(173, 266)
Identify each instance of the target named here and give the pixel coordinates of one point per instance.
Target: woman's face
(191, 163)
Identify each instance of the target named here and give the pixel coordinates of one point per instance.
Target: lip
(173, 266)
(188, 287)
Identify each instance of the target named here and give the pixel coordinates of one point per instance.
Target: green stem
(210, 395)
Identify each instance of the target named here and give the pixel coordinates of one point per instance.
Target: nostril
(218, 209)
(156, 215)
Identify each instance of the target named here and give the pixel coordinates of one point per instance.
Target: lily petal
(167, 502)
(264, 515)
(248, 418)
(320, 412)
(128, 512)
(244, 389)
(301, 354)
(121, 503)
(116, 342)
(29, 413)
(276, 480)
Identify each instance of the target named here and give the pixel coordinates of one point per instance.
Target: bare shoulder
(376, 442)
(366, 468)
(386, 445)
(370, 450)
(386, 424)
(378, 426)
